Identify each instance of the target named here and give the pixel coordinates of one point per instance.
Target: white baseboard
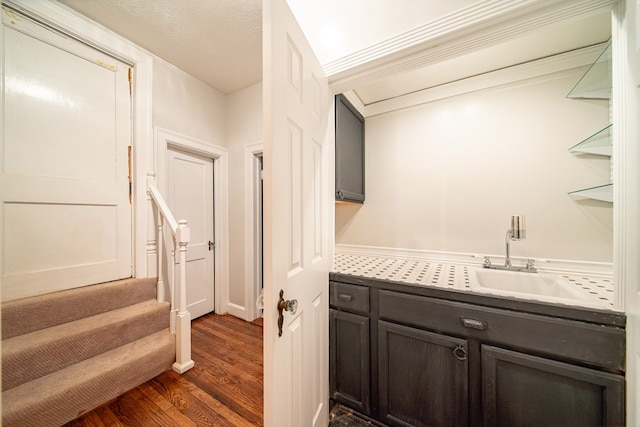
(544, 264)
(236, 310)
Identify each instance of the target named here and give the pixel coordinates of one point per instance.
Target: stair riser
(65, 345)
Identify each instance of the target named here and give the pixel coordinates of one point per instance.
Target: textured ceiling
(216, 41)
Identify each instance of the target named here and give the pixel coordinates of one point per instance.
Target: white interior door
(190, 197)
(297, 105)
(66, 213)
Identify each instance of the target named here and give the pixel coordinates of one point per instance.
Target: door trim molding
(251, 250)
(164, 139)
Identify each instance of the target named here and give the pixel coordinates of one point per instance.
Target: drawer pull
(460, 353)
(345, 297)
(473, 323)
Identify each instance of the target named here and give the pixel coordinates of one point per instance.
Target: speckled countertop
(444, 275)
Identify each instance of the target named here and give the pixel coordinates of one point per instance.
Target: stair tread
(40, 312)
(79, 388)
(39, 353)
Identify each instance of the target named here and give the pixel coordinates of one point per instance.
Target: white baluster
(160, 240)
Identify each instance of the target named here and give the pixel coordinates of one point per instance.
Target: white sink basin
(538, 286)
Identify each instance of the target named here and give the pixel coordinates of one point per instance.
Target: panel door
(423, 377)
(190, 197)
(64, 183)
(297, 140)
(523, 390)
(350, 360)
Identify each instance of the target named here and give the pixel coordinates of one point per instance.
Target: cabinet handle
(340, 194)
(460, 353)
(473, 323)
(345, 297)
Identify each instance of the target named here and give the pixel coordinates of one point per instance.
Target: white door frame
(79, 27)
(164, 139)
(626, 157)
(251, 227)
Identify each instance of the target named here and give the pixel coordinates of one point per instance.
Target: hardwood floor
(223, 389)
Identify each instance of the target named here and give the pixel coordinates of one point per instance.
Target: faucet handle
(487, 262)
(530, 265)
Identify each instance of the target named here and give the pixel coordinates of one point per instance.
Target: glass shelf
(601, 192)
(596, 81)
(599, 143)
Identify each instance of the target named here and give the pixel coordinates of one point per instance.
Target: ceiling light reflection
(17, 86)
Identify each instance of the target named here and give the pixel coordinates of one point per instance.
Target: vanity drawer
(587, 343)
(349, 297)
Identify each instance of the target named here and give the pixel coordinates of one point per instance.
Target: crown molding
(462, 18)
(530, 70)
(476, 27)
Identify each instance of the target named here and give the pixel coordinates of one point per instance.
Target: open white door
(297, 140)
(628, 38)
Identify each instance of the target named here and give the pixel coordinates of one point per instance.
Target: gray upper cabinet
(349, 152)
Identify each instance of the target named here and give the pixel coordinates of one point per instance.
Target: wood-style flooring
(223, 389)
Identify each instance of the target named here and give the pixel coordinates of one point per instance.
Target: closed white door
(66, 130)
(190, 197)
(297, 141)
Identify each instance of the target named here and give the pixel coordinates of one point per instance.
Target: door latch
(290, 306)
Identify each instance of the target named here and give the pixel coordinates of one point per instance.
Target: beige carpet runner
(68, 352)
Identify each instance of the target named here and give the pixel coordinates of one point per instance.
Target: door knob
(290, 306)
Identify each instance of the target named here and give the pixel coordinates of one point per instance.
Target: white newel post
(183, 321)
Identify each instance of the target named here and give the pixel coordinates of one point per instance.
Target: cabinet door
(349, 152)
(423, 377)
(524, 390)
(349, 360)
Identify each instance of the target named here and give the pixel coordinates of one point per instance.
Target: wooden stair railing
(180, 321)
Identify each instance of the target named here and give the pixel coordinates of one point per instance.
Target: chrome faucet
(518, 231)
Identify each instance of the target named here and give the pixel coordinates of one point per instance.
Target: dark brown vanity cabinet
(349, 153)
(350, 347)
(443, 359)
(521, 390)
(423, 377)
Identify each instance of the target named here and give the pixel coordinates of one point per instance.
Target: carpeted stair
(68, 352)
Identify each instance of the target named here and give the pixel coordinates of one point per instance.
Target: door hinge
(129, 172)
(129, 76)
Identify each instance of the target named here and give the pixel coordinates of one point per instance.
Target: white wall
(186, 105)
(244, 127)
(448, 175)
